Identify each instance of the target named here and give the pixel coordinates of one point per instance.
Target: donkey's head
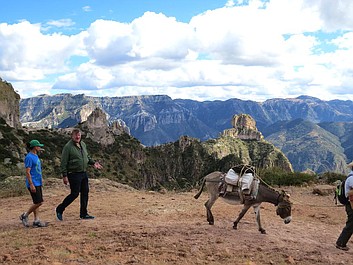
(284, 207)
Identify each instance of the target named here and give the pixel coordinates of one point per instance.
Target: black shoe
(345, 248)
(59, 216)
(86, 217)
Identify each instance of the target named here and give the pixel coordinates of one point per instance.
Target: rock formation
(9, 104)
(98, 129)
(244, 128)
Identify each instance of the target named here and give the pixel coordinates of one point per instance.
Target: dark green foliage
(331, 177)
(228, 162)
(278, 177)
(2, 121)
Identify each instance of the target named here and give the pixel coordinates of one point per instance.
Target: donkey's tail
(197, 195)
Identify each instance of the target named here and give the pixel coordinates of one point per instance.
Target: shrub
(275, 176)
(13, 187)
(331, 177)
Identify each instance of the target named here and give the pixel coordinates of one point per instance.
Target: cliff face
(9, 104)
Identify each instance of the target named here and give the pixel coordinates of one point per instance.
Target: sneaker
(86, 217)
(24, 219)
(59, 216)
(345, 248)
(38, 223)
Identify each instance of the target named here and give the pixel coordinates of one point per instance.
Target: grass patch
(13, 187)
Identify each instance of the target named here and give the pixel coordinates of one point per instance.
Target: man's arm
(29, 178)
(64, 160)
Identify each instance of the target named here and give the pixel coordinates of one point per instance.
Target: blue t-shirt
(32, 161)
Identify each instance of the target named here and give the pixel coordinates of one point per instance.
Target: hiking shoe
(38, 223)
(86, 217)
(345, 248)
(59, 216)
(24, 219)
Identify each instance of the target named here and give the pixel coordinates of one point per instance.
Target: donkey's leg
(211, 200)
(258, 220)
(241, 215)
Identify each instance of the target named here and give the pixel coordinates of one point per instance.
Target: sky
(190, 49)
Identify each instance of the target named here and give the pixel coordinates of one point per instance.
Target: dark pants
(78, 185)
(348, 229)
(37, 197)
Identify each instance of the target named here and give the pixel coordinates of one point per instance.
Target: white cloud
(87, 9)
(247, 49)
(61, 23)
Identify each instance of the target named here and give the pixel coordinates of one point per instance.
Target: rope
(298, 202)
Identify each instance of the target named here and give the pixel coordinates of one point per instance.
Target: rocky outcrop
(98, 128)
(9, 104)
(119, 127)
(244, 127)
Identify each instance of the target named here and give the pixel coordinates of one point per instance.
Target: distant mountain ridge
(159, 119)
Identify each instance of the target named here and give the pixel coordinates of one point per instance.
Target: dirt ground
(140, 227)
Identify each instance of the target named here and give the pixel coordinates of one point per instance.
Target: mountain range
(313, 134)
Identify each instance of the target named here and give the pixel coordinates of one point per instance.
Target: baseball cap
(34, 143)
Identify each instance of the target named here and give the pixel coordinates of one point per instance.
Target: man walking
(74, 163)
(34, 184)
(347, 231)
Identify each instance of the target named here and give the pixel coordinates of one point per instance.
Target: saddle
(241, 181)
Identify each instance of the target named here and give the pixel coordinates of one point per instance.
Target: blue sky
(202, 49)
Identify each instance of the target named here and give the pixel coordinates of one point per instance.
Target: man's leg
(347, 230)
(84, 195)
(75, 187)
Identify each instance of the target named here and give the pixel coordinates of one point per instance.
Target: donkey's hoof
(263, 231)
(235, 227)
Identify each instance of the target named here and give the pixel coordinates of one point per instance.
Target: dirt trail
(138, 227)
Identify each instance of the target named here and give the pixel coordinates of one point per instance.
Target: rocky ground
(140, 227)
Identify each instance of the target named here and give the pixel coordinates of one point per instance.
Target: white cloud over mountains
(258, 50)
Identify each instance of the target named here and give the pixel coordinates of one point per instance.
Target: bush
(13, 187)
(279, 177)
(331, 177)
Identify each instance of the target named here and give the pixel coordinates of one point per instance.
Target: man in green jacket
(74, 164)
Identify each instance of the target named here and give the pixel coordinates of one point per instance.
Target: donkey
(265, 194)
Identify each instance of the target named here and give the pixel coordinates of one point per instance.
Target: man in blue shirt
(347, 231)
(34, 184)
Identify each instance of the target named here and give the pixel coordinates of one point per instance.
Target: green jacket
(74, 159)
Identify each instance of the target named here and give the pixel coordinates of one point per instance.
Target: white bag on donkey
(232, 177)
(245, 182)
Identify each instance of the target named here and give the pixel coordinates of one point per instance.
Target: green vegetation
(12, 187)
(278, 177)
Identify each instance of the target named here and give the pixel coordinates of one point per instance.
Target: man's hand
(32, 188)
(65, 180)
(97, 165)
